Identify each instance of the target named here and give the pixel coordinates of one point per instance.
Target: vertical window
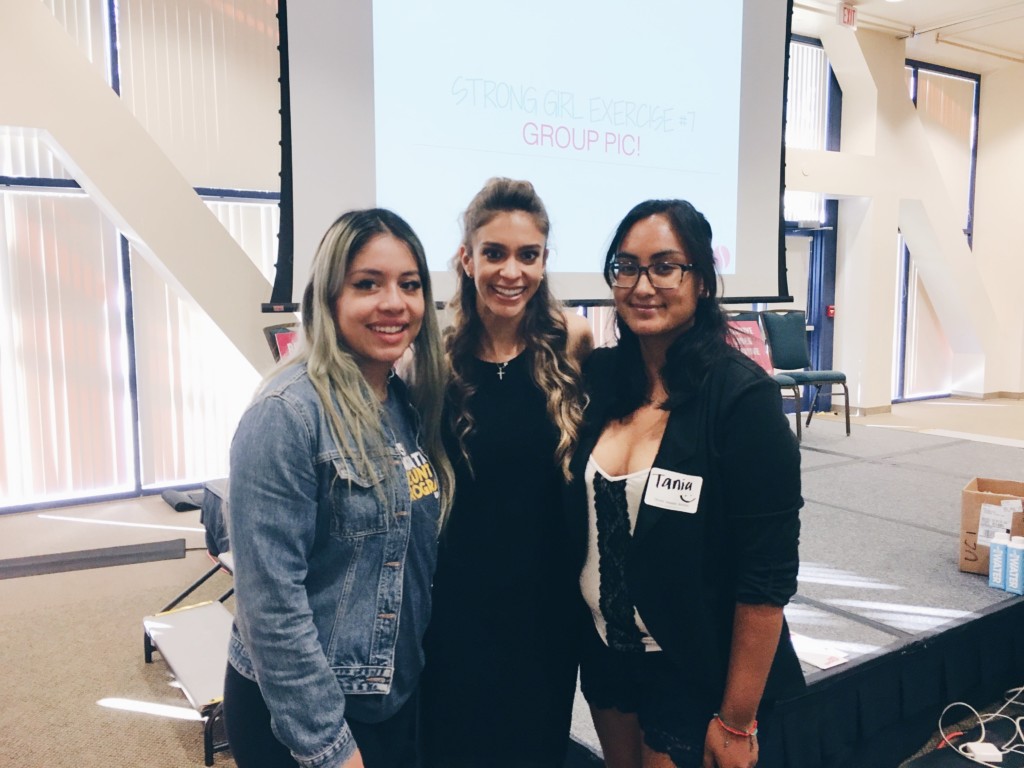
(947, 104)
(192, 382)
(64, 380)
(22, 154)
(806, 120)
(111, 383)
(813, 106)
(201, 78)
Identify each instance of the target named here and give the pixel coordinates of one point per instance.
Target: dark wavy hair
(690, 356)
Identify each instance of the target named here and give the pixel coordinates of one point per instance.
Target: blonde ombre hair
(353, 409)
(543, 329)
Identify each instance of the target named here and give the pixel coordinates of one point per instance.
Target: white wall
(998, 222)
(338, 37)
(887, 179)
(798, 265)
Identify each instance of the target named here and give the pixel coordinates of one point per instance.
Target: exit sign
(846, 15)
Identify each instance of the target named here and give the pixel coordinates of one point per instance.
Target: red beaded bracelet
(730, 729)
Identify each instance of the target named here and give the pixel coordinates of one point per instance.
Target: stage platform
(879, 589)
(881, 594)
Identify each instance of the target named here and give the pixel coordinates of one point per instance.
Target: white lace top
(612, 507)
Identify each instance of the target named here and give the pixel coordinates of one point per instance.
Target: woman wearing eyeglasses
(683, 513)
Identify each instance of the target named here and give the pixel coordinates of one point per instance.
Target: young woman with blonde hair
(338, 484)
(501, 663)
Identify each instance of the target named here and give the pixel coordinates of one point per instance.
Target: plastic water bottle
(997, 559)
(1015, 565)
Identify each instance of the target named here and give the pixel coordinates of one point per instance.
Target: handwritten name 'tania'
(672, 483)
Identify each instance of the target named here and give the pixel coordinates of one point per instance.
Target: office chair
(742, 327)
(786, 333)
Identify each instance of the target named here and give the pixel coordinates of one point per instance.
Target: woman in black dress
(500, 675)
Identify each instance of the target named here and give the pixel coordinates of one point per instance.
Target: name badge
(673, 490)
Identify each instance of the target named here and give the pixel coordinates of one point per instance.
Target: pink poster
(746, 337)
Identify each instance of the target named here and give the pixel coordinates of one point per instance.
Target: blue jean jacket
(318, 569)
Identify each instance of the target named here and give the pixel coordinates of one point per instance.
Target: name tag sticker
(673, 490)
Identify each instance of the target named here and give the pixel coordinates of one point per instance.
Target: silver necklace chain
(503, 367)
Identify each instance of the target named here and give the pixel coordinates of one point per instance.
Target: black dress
(500, 671)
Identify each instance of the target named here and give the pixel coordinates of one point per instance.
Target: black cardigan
(685, 572)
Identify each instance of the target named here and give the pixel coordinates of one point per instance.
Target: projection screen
(413, 106)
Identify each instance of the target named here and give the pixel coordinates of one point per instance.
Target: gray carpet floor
(879, 564)
(77, 692)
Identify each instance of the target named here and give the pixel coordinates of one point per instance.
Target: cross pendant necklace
(509, 354)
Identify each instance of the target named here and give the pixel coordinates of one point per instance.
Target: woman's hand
(755, 635)
(725, 750)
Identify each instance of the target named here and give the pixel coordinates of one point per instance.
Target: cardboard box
(981, 513)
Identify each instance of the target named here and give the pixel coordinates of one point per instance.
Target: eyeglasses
(625, 273)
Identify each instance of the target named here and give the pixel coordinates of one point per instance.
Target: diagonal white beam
(49, 86)
(887, 164)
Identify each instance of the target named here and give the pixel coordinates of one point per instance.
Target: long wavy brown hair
(543, 329)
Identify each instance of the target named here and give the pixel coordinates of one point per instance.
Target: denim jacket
(319, 564)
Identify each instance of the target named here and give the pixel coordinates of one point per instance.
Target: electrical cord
(1015, 744)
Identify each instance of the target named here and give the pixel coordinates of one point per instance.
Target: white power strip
(982, 750)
